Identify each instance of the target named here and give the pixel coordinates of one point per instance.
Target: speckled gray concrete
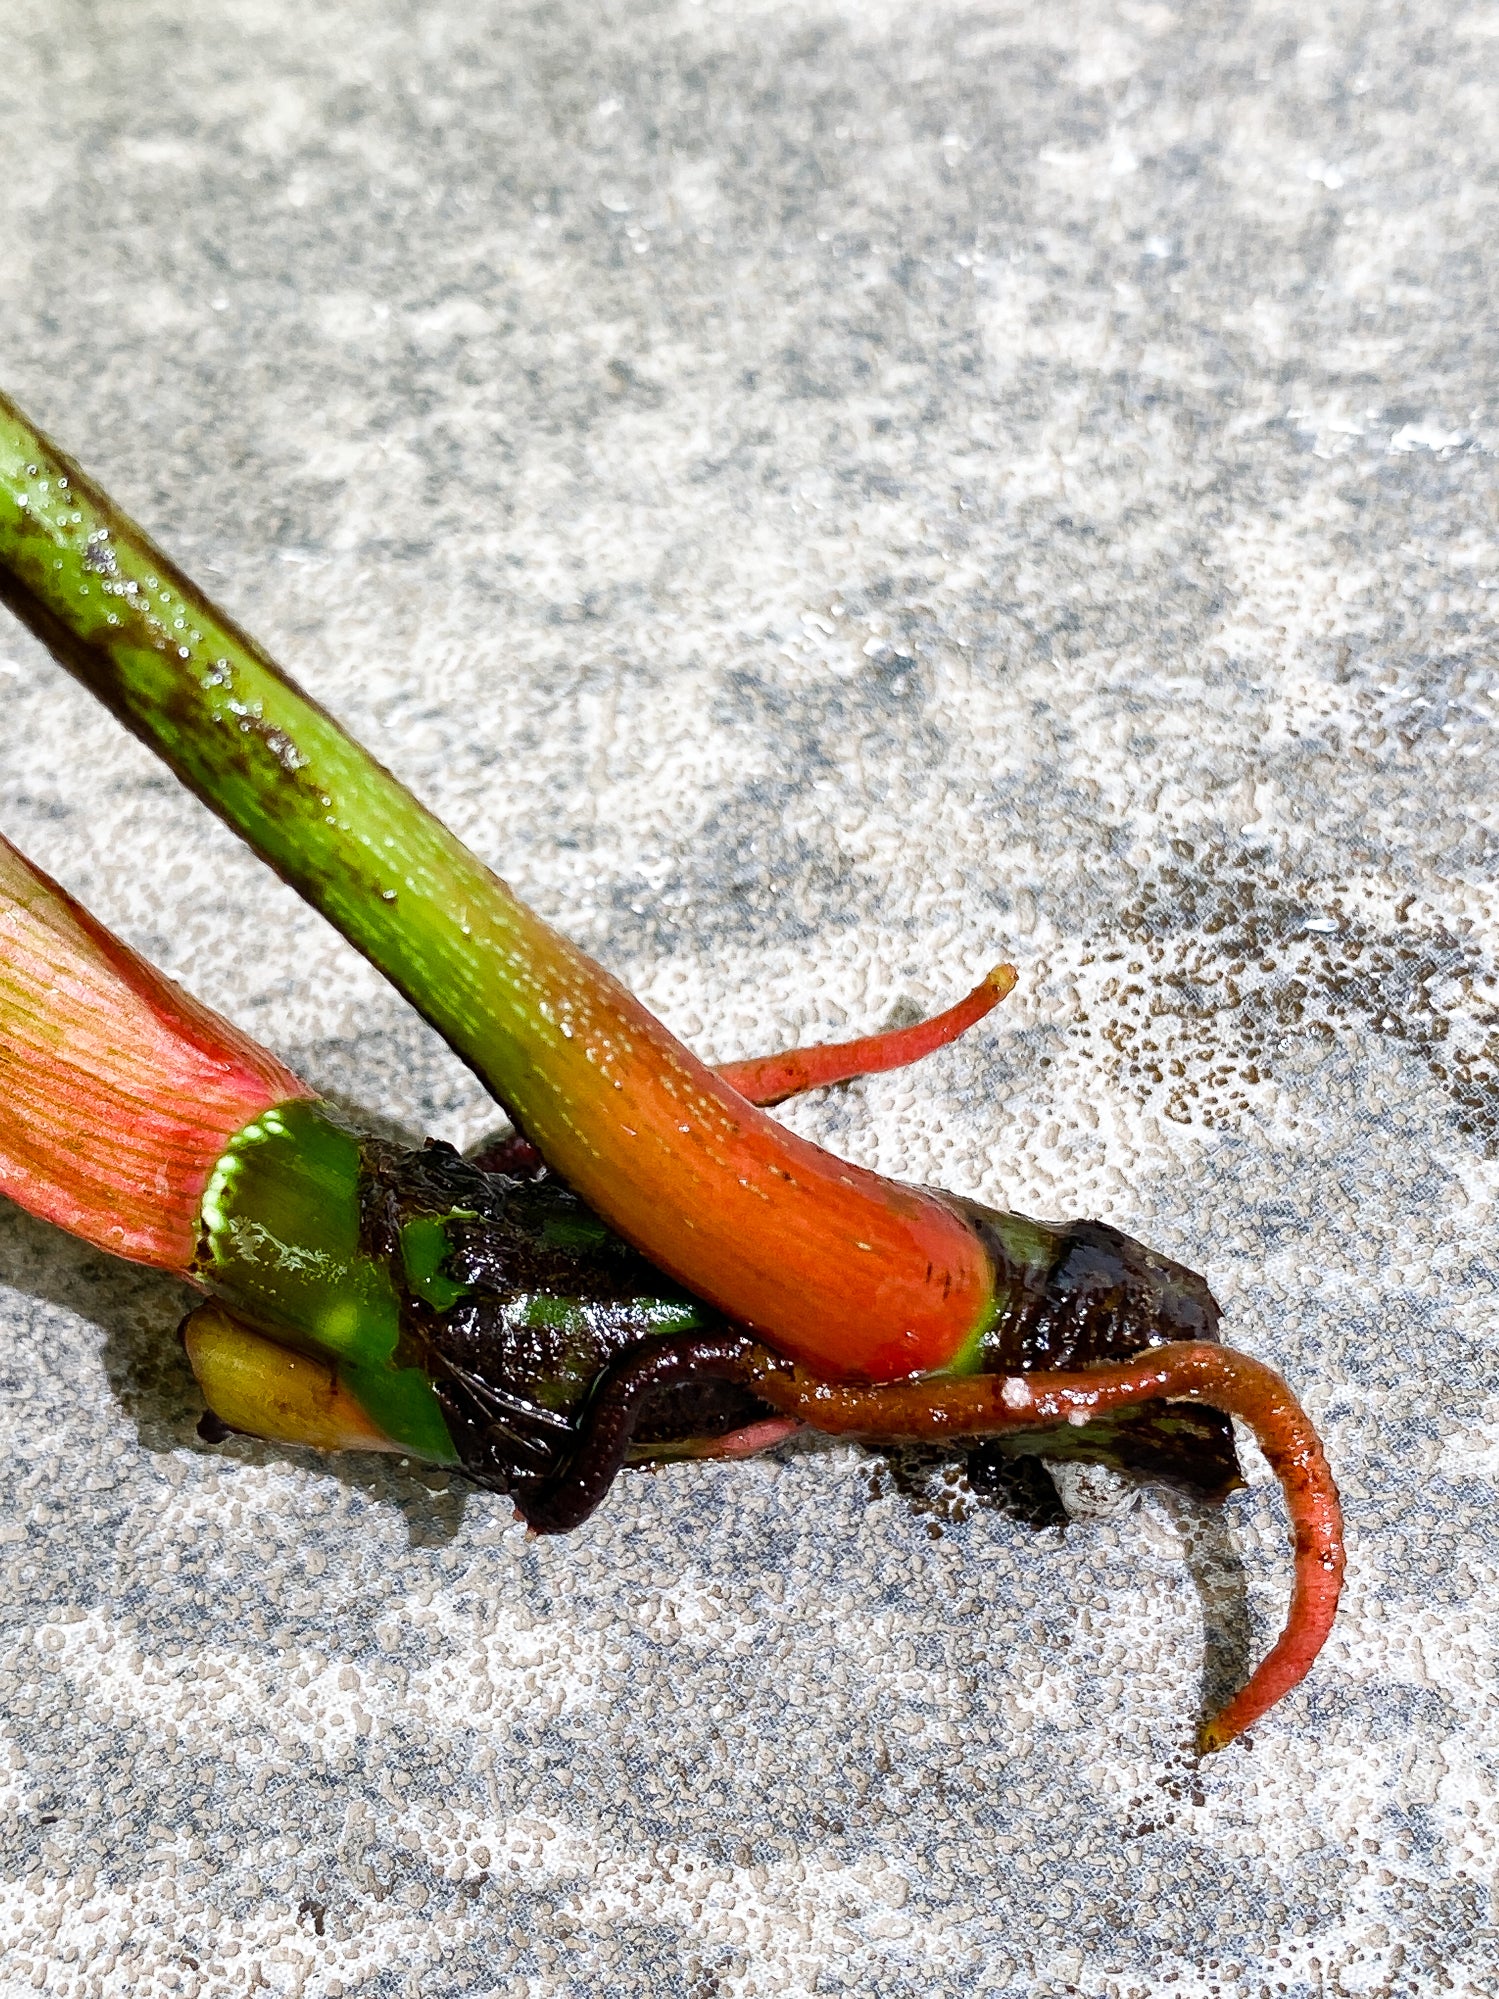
(825, 495)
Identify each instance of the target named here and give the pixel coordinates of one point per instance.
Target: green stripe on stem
(834, 1265)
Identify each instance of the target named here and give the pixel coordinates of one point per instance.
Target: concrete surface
(825, 495)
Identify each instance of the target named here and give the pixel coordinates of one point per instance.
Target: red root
(751, 1440)
(1189, 1371)
(771, 1079)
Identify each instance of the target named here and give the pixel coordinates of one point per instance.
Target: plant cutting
(738, 1260)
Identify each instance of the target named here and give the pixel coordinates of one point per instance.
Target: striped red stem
(118, 1091)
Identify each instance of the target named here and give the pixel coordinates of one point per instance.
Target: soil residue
(1225, 960)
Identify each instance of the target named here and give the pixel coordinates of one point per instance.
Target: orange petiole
(765, 1080)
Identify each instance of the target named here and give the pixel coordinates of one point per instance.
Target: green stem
(850, 1272)
(282, 1246)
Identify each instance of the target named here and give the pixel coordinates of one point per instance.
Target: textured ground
(825, 494)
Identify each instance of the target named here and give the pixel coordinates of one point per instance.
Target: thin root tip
(1002, 978)
(1211, 1737)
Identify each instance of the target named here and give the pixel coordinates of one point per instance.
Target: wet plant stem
(851, 1272)
(876, 1309)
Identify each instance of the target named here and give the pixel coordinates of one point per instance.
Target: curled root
(931, 1407)
(1189, 1371)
